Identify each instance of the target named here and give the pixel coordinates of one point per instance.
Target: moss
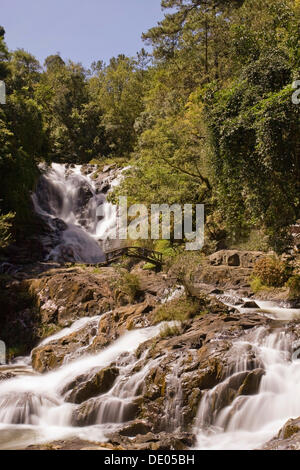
(163, 386)
(15, 351)
(256, 285)
(294, 286)
(166, 248)
(177, 310)
(290, 430)
(149, 267)
(47, 330)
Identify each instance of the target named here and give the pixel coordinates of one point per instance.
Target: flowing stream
(252, 420)
(73, 204)
(34, 407)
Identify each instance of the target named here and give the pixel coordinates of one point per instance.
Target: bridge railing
(135, 251)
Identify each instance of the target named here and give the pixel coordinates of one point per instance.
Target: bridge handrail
(150, 255)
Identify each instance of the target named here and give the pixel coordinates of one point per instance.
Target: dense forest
(205, 117)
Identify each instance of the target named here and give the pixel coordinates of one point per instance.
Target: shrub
(127, 285)
(256, 285)
(167, 331)
(271, 271)
(177, 310)
(149, 267)
(294, 286)
(5, 229)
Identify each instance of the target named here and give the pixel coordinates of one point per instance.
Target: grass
(47, 330)
(128, 285)
(257, 286)
(149, 267)
(168, 331)
(294, 286)
(181, 309)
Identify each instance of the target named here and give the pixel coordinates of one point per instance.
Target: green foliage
(5, 229)
(294, 286)
(168, 331)
(177, 310)
(256, 285)
(47, 330)
(184, 265)
(253, 130)
(126, 285)
(271, 271)
(207, 118)
(149, 267)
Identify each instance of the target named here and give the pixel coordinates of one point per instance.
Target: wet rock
(250, 304)
(152, 441)
(291, 427)
(233, 260)
(251, 383)
(84, 195)
(223, 277)
(6, 376)
(86, 387)
(107, 168)
(104, 188)
(217, 292)
(75, 293)
(135, 427)
(288, 437)
(111, 410)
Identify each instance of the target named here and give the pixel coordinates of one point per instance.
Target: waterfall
(36, 404)
(251, 420)
(73, 204)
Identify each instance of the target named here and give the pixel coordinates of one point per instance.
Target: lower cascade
(222, 374)
(36, 403)
(250, 421)
(37, 408)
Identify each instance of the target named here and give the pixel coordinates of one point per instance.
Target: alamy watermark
(296, 94)
(2, 92)
(160, 221)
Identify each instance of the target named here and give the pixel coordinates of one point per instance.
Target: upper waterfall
(68, 198)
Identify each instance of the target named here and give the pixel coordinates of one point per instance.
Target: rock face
(288, 437)
(222, 277)
(89, 386)
(227, 270)
(244, 259)
(66, 295)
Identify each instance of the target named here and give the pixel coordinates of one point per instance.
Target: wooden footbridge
(154, 257)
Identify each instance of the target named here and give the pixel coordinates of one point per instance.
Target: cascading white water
(250, 421)
(76, 326)
(36, 404)
(71, 203)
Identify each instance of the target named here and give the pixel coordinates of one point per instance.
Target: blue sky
(82, 31)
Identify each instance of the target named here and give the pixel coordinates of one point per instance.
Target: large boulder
(244, 259)
(89, 386)
(64, 295)
(288, 437)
